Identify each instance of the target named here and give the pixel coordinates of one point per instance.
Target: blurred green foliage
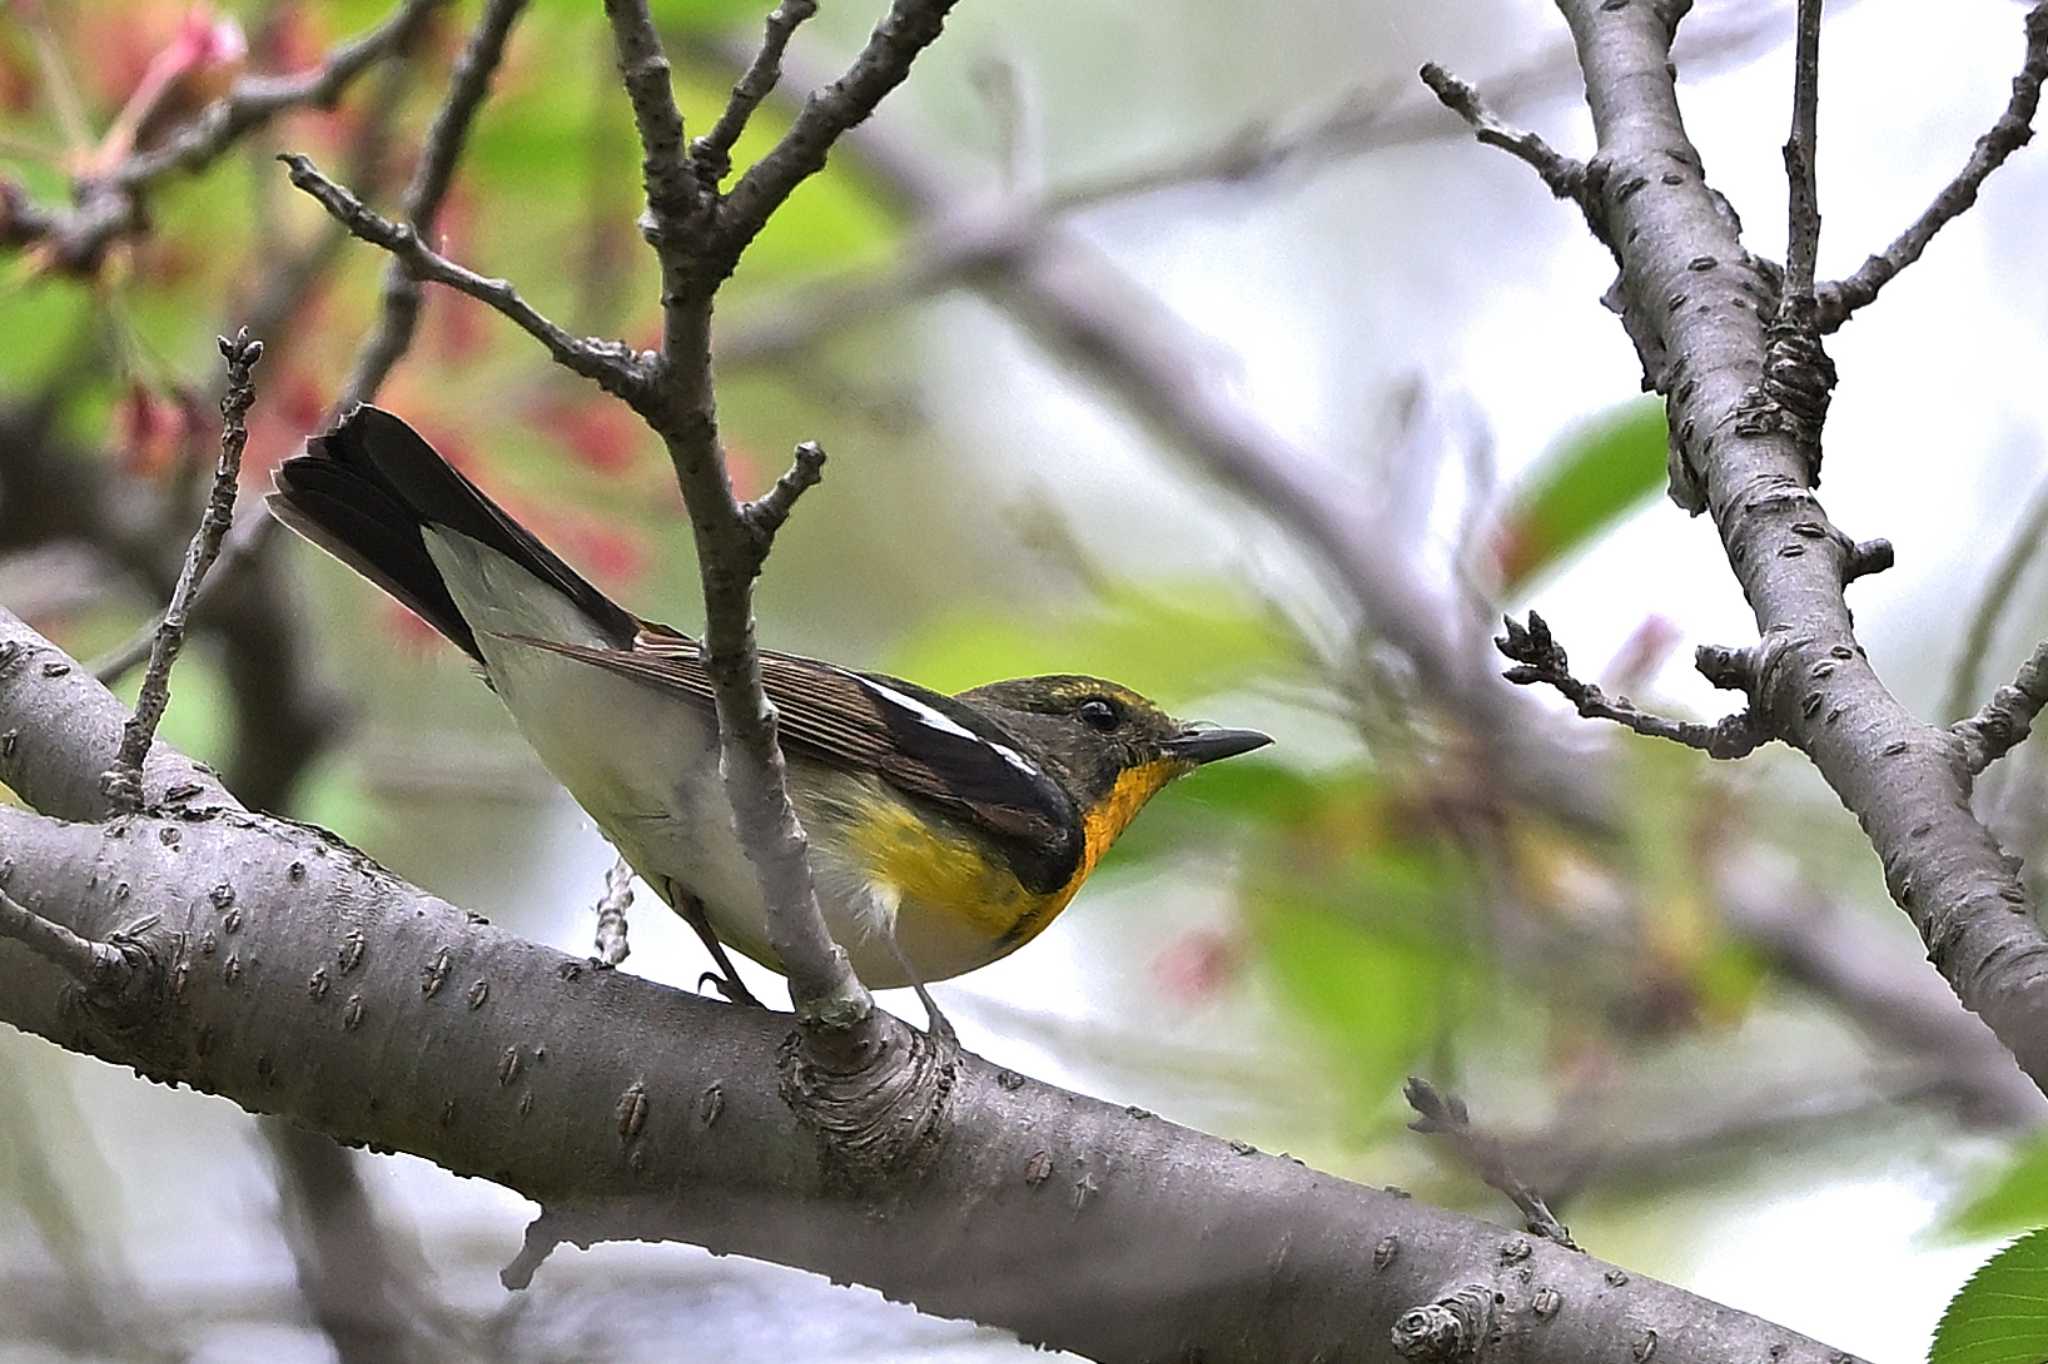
(1608, 467)
(2011, 1197)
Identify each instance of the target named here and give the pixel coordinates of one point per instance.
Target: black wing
(921, 742)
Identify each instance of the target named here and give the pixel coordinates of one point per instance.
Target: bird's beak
(1198, 746)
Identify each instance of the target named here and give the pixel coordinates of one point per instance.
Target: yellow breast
(959, 875)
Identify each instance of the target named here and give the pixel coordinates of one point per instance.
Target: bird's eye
(1098, 713)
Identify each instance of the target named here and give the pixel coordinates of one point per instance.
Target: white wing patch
(935, 720)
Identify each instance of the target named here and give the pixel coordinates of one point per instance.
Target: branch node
(874, 1096)
(1866, 557)
(1729, 669)
(1451, 1328)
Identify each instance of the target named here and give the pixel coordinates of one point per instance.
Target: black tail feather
(364, 490)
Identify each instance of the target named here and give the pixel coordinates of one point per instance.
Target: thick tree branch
(291, 969)
(110, 204)
(2013, 129)
(1749, 454)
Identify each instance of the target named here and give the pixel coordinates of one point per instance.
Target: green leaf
(1598, 474)
(2001, 1314)
(2014, 1198)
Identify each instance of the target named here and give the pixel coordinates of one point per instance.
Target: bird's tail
(371, 491)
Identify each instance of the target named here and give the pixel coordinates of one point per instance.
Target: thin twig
(421, 203)
(123, 784)
(2007, 717)
(2013, 129)
(907, 29)
(611, 913)
(1443, 1114)
(617, 367)
(109, 205)
(673, 192)
(1802, 232)
(1540, 658)
(2020, 551)
(1565, 176)
(766, 513)
(92, 964)
(712, 153)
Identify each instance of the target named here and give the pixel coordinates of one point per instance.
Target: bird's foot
(731, 989)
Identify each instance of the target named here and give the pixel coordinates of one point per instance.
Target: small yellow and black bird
(945, 831)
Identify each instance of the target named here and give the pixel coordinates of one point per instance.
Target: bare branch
(2008, 716)
(696, 253)
(1802, 232)
(109, 205)
(766, 514)
(1745, 410)
(712, 153)
(616, 367)
(2013, 129)
(1071, 298)
(91, 964)
(421, 203)
(907, 29)
(1565, 176)
(611, 913)
(124, 780)
(1540, 658)
(1146, 1239)
(1443, 1114)
(2020, 551)
(673, 192)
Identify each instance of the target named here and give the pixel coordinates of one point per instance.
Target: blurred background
(1188, 343)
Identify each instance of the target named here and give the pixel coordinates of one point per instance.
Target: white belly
(644, 764)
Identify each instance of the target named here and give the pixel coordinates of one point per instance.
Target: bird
(945, 831)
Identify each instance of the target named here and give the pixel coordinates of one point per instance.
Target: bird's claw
(730, 989)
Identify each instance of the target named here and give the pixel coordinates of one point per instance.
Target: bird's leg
(937, 1024)
(727, 984)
